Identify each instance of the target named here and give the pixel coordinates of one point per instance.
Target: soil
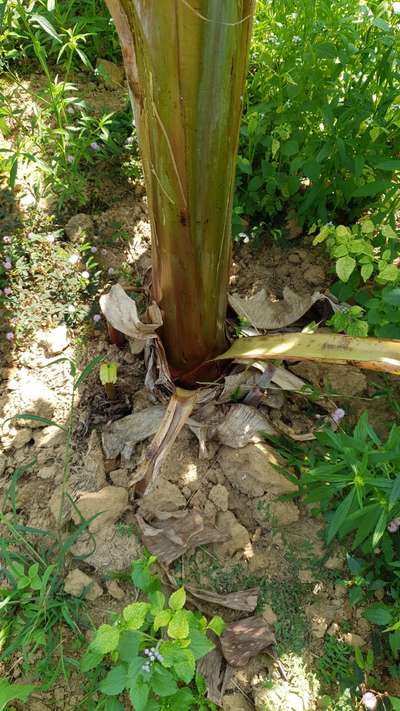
(273, 544)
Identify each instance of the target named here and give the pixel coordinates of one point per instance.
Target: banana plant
(185, 62)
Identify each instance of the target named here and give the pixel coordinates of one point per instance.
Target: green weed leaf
(105, 640)
(345, 267)
(129, 644)
(115, 681)
(178, 628)
(135, 614)
(379, 614)
(340, 515)
(177, 599)
(163, 682)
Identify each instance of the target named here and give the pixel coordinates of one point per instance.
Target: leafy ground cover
(315, 209)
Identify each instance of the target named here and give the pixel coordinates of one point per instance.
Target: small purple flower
(7, 265)
(96, 319)
(104, 252)
(70, 159)
(93, 250)
(10, 336)
(95, 146)
(111, 271)
(7, 239)
(369, 701)
(85, 274)
(338, 415)
(393, 526)
(70, 110)
(7, 290)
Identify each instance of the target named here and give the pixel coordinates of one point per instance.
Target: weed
(151, 648)
(319, 140)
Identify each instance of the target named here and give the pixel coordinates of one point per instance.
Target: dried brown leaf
(121, 312)
(263, 313)
(242, 425)
(246, 638)
(244, 600)
(174, 534)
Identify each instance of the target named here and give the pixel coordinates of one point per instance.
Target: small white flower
(50, 238)
(111, 271)
(96, 318)
(85, 275)
(74, 259)
(71, 308)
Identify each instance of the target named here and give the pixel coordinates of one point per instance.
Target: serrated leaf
(345, 267)
(163, 682)
(366, 271)
(105, 640)
(391, 297)
(114, 682)
(129, 644)
(388, 232)
(162, 619)
(367, 227)
(388, 273)
(156, 600)
(177, 599)
(200, 645)
(217, 625)
(139, 692)
(90, 660)
(135, 614)
(186, 666)
(178, 627)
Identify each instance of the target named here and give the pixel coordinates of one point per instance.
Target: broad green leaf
(106, 639)
(156, 600)
(388, 273)
(367, 227)
(162, 682)
(379, 614)
(391, 297)
(371, 189)
(129, 644)
(200, 645)
(345, 267)
(177, 599)
(139, 692)
(90, 660)
(395, 491)
(341, 232)
(186, 666)
(340, 515)
(162, 619)
(142, 577)
(395, 701)
(178, 628)
(135, 614)
(112, 704)
(217, 625)
(366, 271)
(182, 700)
(115, 681)
(388, 232)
